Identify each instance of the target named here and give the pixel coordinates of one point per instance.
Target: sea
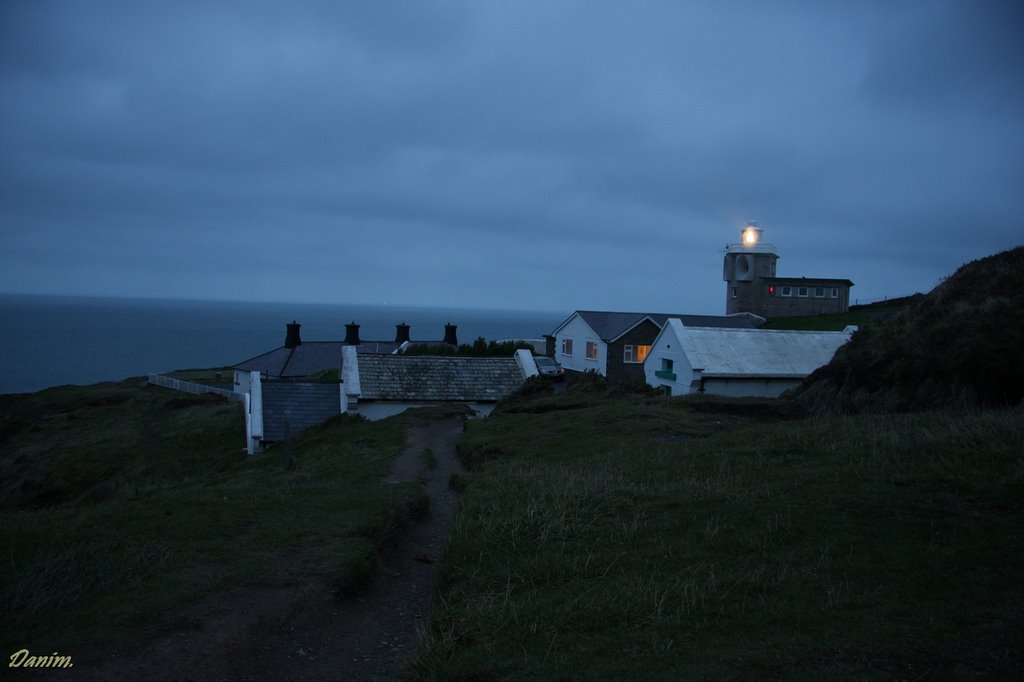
(55, 340)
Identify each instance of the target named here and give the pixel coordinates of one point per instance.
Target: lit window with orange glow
(635, 354)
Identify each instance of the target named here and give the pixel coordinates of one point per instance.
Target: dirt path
(304, 633)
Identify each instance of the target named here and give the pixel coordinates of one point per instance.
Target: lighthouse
(753, 287)
(747, 264)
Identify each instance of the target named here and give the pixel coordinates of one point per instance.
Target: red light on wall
(771, 291)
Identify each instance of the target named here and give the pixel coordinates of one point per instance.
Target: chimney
(292, 339)
(401, 333)
(449, 335)
(352, 334)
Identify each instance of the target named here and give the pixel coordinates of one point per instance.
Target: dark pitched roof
(307, 358)
(611, 325)
(449, 378)
(300, 361)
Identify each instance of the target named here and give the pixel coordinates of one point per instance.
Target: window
(787, 291)
(635, 353)
(801, 291)
(666, 371)
(835, 292)
(734, 294)
(566, 346)
(591, 350)
(819, 292)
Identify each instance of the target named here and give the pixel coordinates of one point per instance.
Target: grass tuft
(356, 569)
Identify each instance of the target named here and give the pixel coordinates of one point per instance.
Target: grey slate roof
(437, 378)
(300, 361)
(307, 358)
(611, 325)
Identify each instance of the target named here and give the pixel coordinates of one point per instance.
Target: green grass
(824, 323)
(213, 376)
(635, 537)
(122, 503)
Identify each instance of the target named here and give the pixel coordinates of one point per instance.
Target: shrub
(588, 382)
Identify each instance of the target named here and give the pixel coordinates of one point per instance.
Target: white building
(614, 344)
(737, 362)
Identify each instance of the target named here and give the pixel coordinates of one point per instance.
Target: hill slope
(606, 536)
(958, 347)
(123, 503)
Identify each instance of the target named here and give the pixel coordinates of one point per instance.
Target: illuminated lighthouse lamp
(751, 234)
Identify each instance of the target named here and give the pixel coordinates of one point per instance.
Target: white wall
(351, 388)
(580, 332)
(241, 382)
(254, 414)
(527, 365)
(667, 346)
(382, 410)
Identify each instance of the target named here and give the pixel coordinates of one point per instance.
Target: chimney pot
(292, 338)
(401, 333)
(449, 334)
(352, 334)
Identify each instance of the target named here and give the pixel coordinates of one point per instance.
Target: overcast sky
(544, 155)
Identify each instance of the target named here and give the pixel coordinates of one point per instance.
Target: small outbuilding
(378, 386)
(736, 362)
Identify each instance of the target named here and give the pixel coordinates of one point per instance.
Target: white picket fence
(190, 386)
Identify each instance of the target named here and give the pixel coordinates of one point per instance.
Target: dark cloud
(951, 55)
(550, 155)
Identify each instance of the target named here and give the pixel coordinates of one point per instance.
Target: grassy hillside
(122, 502)
(957, 347)
(610, 537)
(822, 323)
